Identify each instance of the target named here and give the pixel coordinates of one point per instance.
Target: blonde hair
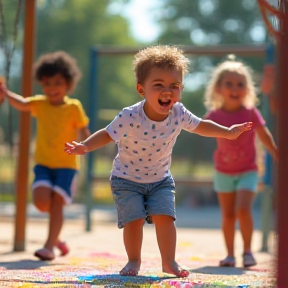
(213, 100)
(166, 57)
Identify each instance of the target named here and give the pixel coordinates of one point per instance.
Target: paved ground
(97, 256)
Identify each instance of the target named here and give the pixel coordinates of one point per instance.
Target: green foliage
(76, 26)
(203, 23)
(206, 22)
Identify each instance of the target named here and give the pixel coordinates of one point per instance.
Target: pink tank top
(239, 155)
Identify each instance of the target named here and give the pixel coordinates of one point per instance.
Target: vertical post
(268, 181)
(282, 211)
(24, 128)
(92, 114)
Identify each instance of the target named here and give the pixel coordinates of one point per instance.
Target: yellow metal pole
(24, 128)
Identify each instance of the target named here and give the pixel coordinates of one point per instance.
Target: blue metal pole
(268, 179)
(92, 114)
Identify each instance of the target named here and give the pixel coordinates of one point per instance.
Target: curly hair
(166, 57)
(213, 100)
(60, 62)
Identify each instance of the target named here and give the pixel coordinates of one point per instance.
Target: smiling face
(55, 88)
(161, 89)
(233, 89)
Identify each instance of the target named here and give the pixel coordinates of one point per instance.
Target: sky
(140, 14)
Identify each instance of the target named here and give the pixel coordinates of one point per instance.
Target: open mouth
(164, 103)
(235, 97)
(53, 95)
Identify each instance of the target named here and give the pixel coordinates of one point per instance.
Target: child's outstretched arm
(2, 90)
(84, 133)
(267, 140)
(93, 142)
(210, 128)
(17, 101)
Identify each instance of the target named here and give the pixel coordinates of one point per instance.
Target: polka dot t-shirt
(145, 146)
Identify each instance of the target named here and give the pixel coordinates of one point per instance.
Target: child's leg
(48, 201)
(165, 229)
(244, 214)
(133, 236)
(42, 196)
(227, 204)
(56, 220)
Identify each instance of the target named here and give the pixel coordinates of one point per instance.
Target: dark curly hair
(60, 62)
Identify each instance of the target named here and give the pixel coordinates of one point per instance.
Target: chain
(3, 37)
(266, 7)
(8, 53)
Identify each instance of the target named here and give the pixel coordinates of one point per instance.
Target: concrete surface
(200, 246)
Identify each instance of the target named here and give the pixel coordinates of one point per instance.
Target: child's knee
(135, 223)
(162, 219)
(42, 206)
(42, 199)
(243, 212)
(57, 199)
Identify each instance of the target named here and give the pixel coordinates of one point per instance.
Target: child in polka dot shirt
(145, 133)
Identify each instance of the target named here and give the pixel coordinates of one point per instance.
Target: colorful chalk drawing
(101, 270)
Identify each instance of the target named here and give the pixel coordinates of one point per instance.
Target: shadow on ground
(216, 270)
(24, 264)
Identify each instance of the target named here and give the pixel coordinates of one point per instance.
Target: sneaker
(62, 246)
(229, 261)
(44, 254)
(248, 260)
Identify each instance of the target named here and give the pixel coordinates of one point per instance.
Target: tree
(201, 23)
(75, 26)
(206, 22)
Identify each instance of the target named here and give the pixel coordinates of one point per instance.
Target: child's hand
(3, 89)
(75, 148)
(275, 155)
(236, 130)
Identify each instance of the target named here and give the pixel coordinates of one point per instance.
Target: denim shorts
(231, 183)
(135, 200)
(60, 180)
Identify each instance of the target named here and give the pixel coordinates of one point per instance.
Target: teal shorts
(232, 183)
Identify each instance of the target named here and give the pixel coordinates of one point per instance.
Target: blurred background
(76, 26)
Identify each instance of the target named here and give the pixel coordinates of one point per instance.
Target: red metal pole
(282, 208)
(24, 128)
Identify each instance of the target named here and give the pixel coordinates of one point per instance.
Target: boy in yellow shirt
(59, 119)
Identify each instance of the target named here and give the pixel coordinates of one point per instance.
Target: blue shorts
(60, 180)
(232, 183)
(135, 200)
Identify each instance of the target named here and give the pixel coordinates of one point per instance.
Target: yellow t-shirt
(56, 124)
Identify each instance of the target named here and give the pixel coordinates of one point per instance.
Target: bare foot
(131, 268)
(175, 269)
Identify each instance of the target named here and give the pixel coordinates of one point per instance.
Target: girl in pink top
(231, 98)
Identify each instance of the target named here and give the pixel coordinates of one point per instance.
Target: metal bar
(282, 195)
(242, 50)
(92, 114)
(24, 128)
(266, 216)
